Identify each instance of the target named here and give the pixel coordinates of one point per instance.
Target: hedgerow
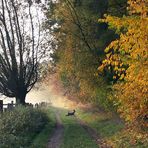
(18, 127)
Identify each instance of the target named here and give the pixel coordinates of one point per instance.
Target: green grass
(74, 135)
(103, 123)
(113, 130)
(41, 140)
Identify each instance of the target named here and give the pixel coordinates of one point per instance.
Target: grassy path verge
(75, 136)
(104, 124)
(112, 130)
(87, 130)
(41, 140)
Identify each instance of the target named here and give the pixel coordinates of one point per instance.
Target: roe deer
(71, 113)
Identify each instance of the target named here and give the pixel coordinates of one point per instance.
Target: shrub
(17, 127)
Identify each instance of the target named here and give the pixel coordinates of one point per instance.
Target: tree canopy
(104, 62)
(127, 60)
(20, 51)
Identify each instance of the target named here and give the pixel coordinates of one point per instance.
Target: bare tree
(19, 49)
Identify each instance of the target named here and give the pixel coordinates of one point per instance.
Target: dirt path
(58, 100)
(101, 143)
(56, 140)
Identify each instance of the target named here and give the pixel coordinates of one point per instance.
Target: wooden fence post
(1, 105)
(10, 106)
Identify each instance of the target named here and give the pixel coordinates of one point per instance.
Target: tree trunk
(20, 98)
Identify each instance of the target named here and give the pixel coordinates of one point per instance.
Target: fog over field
(36, 95)
(43, 93)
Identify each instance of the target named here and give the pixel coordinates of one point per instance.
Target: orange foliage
(127, 57)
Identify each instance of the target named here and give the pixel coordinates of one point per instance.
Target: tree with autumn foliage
(76, 59)
(127, 62)
(79, 52)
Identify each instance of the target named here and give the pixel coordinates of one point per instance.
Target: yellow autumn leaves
(127, 59)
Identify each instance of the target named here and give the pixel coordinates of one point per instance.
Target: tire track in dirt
(56, 139)
(92, 132)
